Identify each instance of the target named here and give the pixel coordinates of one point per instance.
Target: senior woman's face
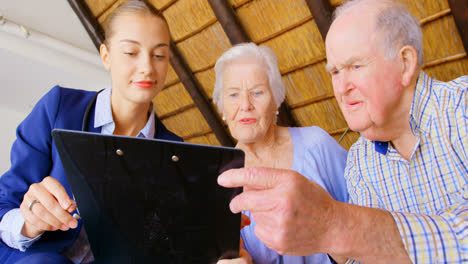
(248, 104)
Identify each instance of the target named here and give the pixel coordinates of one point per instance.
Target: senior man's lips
(247, 121)
(144, 84)
(353, 104)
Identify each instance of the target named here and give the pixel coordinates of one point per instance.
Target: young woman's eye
(159, 56)
(129, 53)
(356, 67)
(334, 72)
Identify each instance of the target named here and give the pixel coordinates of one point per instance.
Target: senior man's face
(366, 85)
(248, 103)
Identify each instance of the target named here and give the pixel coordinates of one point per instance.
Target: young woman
(35, 205)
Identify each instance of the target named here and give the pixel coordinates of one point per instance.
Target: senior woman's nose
(245, 104)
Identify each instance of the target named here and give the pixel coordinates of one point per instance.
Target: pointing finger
(256, 178)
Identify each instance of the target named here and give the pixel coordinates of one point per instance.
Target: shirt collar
(103, 116)
(103, 113)
(420, 113)
(420, 116)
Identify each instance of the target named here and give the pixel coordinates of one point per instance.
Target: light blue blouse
(320, 158)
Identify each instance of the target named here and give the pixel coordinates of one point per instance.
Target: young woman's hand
(47, 207)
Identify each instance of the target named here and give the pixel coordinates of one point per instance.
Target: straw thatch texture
(263, 19)
(320, 114)
(171, 77)
(290, 30)
(172, 99)
(307, 84)
(207, 80)
(237, 3)
(162, 4)
(185, 123)
(449, 70)
(99, 7)
(438, 41)
(209, 139)
(186, 17)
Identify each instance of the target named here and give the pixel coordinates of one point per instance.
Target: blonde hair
(131, 7)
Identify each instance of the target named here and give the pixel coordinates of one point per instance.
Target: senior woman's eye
(257, 93)
(233, 95)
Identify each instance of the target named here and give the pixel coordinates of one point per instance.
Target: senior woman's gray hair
(395, 25)
(262, 55)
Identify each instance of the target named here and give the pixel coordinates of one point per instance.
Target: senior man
(407, 175)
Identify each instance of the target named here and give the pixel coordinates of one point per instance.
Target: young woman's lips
(144, 84)
(246, 121)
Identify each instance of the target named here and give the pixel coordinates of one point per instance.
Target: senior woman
(248, 92)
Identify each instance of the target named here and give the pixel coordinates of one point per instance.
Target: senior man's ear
(409, 64)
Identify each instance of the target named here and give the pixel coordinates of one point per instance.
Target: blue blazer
(34, 157)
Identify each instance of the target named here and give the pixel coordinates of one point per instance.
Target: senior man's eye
(334, 72)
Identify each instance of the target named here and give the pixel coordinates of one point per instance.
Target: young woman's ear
(105, 56)
(409, 63)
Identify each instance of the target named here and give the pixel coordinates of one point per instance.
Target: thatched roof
(289, 28)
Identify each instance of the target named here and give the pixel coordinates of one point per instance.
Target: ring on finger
(32, 204)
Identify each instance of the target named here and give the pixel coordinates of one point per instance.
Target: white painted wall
(29, 67)
(10, 120)
(30, 79)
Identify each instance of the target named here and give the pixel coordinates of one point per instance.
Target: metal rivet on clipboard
(175, 158)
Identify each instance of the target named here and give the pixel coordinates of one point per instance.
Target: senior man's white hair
(395, 25)
(262, 55)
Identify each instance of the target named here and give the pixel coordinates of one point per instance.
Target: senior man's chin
(364, 127)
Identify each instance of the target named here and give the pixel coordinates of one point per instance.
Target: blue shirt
(318, 157)
(427, 195)
(13, 221)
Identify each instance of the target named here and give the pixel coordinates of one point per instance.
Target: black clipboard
(151, 201)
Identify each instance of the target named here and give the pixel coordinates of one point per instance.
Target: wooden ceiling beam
(322, 12)
(236, 34)
(460, 13)
(96, 33)
(89, 21)
(194, 89)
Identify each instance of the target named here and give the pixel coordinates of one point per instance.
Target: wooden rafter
(460, 13)
(236, 34)
(90, 23)
(96, 33)
(322, 12)
(194, 89)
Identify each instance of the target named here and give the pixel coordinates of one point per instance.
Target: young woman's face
(137, 56)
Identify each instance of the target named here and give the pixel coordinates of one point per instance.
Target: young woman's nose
(145, 64)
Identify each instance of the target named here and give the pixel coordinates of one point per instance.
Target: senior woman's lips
(144, 84)
(246, 121)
